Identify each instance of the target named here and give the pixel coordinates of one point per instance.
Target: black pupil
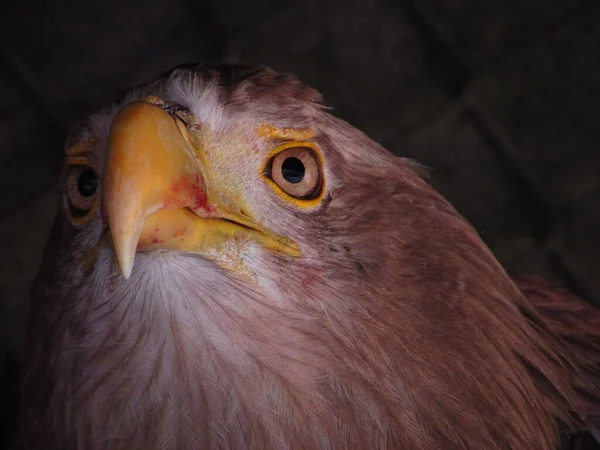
(292, 170)
(87, 183)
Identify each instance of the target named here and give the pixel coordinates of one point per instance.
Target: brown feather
(575, 324)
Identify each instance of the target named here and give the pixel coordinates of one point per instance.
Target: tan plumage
(366, 315)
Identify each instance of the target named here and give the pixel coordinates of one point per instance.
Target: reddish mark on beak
(198, 196)
(188, 192)
(200, 200)
(155, 239)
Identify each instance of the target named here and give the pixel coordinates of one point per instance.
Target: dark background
(499, 98)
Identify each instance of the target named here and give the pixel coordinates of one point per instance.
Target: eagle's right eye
(82, 187)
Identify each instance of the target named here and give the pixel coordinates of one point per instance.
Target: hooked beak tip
(126, 267)
(125, 243)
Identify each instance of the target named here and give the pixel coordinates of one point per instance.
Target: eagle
(233, 267)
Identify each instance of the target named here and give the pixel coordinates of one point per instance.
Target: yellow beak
(155, 194)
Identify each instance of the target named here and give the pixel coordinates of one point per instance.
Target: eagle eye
(297, 171)
(82, 186)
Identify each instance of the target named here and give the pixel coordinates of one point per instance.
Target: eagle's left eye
(297, 172)
(82, 185)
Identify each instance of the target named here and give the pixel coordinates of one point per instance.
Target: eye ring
(297, 172)
(81, 188)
